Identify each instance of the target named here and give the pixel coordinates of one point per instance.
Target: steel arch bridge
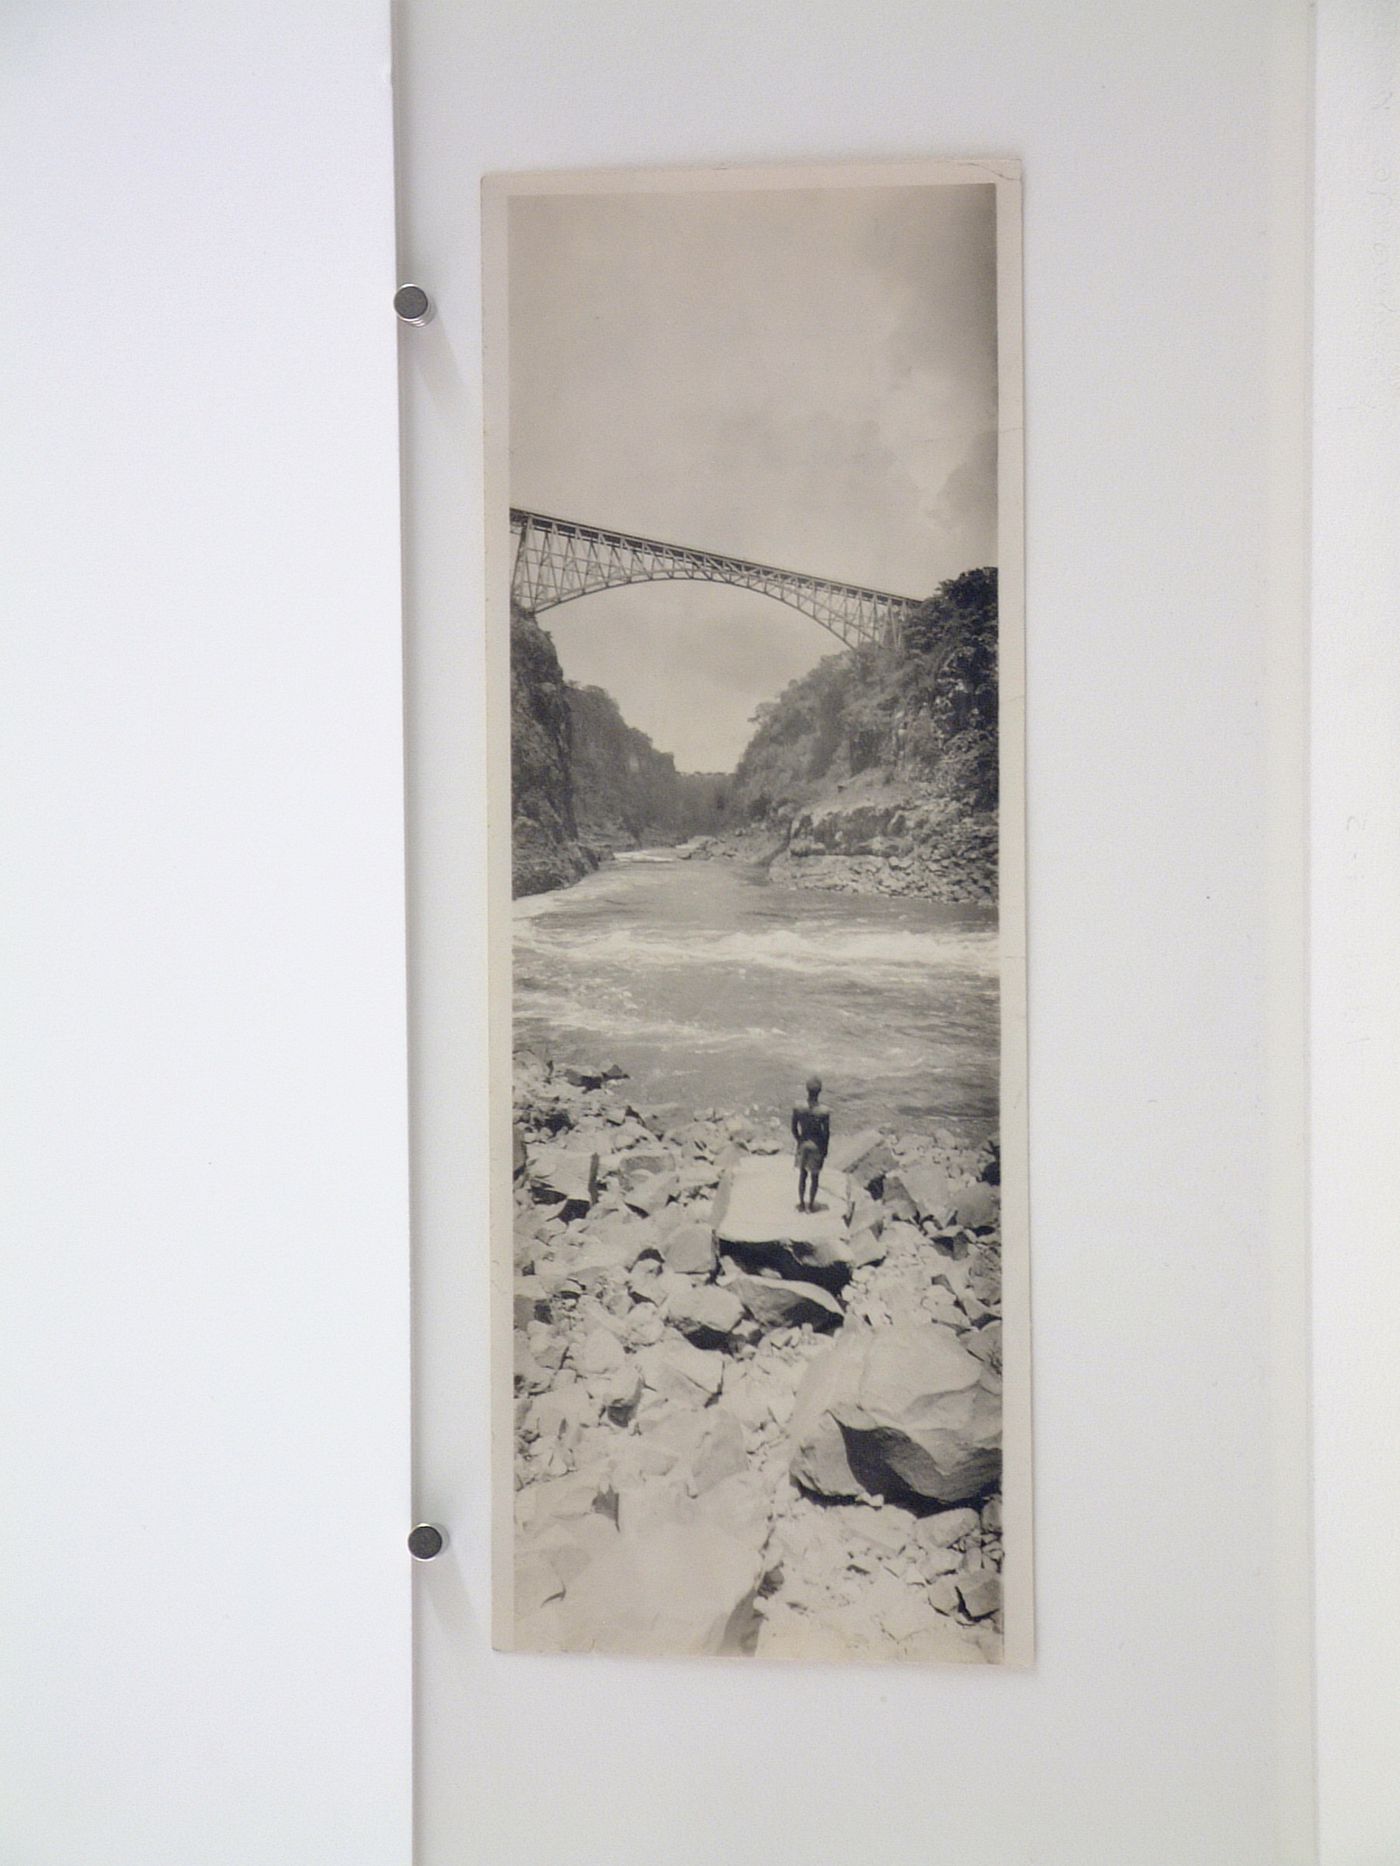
(557, 560)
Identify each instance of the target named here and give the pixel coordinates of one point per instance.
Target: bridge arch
(558, 560)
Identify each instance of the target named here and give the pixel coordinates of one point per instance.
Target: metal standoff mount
(413, 304)
(426, 1540)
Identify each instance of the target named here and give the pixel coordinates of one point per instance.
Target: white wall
(1355, 918)
(203, 1377)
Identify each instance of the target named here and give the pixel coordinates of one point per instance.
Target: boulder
(921, 1192)
(864, 1156)
(945, 1527)
(867, 1246)
(563, 1174)
(517, 1151)
(599, 1353)
(690, 1249)
(678, 1371)
(979, 1592)
(903, 1411)
(653, 1190)
(579, 1078)
(642, 1163)
(672, 1588)
(779, 1304)
(755, 1219)
(976, 1207)
(617, 1392)
(704, 1313)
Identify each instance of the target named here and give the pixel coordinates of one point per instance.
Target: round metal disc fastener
(413, 304)
(425, 1541)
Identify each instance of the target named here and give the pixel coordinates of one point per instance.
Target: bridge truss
(557, 560)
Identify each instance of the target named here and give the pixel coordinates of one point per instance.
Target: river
(712, 987)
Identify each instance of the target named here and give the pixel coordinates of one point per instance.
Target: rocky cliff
(627, 794)
(877, 771)
(583, 782)
(546, 850)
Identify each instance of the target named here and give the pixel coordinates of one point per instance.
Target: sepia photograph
(755, 622)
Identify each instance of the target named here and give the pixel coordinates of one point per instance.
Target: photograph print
(754, 490)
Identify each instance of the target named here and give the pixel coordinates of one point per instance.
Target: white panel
(1166, 1720)
(204, 1371)
(1356, 915)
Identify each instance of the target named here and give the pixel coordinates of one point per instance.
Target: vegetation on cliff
(546, 851)
(627, 794)
(583, 782)
(924, 709)
(877, 771)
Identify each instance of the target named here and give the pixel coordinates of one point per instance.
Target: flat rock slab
(755, 1212)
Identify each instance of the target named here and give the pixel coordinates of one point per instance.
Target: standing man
(811, 1129)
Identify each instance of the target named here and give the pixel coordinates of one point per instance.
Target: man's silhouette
(811, 1129)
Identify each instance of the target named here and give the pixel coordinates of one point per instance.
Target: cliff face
(628, 795)
(546, 850)
(878, 770)
(583, 782)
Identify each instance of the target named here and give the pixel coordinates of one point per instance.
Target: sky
(803, 377)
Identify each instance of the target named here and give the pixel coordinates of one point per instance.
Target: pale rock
(900, 1609)
(618, 1392)
(867, 1246)
(689, 1249)
(721, 1452)
(887, 1529)
(654, 1190)
(676, 1589)
(546, 1345)
(678, 1371)
(704, 1313)
(528, 1373)
(865, 1156)
(600, 1353)
(559, 1500)
(558, 1418)
(923, 1191)
(934, 1562)
(985, 1343)
(564, 1174)
(645, 1326)
(943, 1594)
(991, 1515)
(643, 1280)
(945, 1527)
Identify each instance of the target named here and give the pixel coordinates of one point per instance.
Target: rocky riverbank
(741, 1429)
(872, 838)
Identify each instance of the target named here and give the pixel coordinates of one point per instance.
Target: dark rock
(777, 1303)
